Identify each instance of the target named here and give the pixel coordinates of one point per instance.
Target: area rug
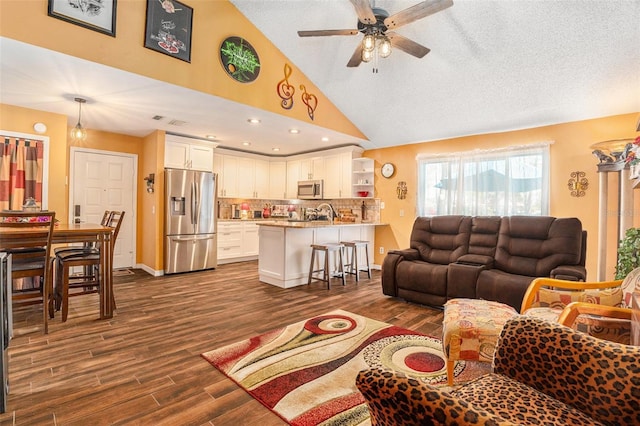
(305, 372)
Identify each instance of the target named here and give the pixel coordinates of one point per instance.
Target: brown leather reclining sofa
(490, 257)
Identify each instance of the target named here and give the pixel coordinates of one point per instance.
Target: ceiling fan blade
(416, 12)
(408, 46)
(320, 33)
(356, 58)
(364, 11)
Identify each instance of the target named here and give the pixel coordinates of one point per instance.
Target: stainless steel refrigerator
(191, 243)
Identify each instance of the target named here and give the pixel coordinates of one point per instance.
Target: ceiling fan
(375, 24)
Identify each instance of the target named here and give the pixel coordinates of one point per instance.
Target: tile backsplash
(349, 208)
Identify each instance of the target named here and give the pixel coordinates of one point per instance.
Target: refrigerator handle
(196, 213)
(193, 203)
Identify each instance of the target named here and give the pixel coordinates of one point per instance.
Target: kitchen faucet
(331, 211)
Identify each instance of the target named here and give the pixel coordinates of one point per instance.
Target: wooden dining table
(102, 236)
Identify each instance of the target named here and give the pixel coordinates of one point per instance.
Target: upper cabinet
(186, 153)
(242, 177)
(254, 176)
(278, 180)
(337, 180)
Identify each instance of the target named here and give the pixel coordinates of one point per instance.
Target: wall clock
(388, 169)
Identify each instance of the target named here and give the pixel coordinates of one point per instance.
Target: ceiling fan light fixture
(367, 55)
(369, 42)
(384, 49)
(79, 133)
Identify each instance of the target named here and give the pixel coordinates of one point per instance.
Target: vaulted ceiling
(494, 66)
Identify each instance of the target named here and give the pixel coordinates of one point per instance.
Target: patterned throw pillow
(605, 296)
(556, 299)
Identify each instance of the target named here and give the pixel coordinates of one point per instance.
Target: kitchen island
(285, 247)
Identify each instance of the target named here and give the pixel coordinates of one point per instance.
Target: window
(23, 169)
(501, 182)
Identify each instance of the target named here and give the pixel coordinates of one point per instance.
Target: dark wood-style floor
(143, 367)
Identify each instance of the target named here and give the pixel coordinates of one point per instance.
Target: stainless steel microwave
(310, 189)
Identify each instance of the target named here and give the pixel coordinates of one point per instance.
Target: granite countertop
(313, 223)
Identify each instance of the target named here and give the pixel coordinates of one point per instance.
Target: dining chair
(27, 237)
(67, 284)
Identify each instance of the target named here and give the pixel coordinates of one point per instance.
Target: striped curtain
(21, 163)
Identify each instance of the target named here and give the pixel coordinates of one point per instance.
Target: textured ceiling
(494, 66)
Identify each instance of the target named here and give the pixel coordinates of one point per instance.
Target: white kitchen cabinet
(237, 241)
(229, 240)
(261, 179)
(229, 187)
(242, 177)
(337, 180)
(285, 252)
(312, 168)
(185, 153)
(246, 176)
(250, 239)
(278, 180)
(293, 176)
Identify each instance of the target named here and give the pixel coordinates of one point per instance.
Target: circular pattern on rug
(418, 356)
(330, 324)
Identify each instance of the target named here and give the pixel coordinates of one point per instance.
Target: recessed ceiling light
(325, 139)
(294, 131)
(276, 149)
(253, 121)
(210, 136)
(246, 143)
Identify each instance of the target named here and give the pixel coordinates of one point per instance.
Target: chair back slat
(115, 221)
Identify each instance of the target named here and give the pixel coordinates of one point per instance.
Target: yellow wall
(213, 21)
(570, 152)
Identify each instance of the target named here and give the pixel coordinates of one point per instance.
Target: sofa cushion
(422, 277)
(534, 245)
(484, 235)
(441, 239)
(504, 287)
(518, 403)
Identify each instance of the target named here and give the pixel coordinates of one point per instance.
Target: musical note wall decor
(286, 90)
(310, 100)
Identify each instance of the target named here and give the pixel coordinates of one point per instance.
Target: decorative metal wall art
(311, 101)
(239, 59)
(402, 190)
(578, 184)
(286, 90)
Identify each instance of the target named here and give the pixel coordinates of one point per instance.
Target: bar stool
(352, 254)
(329, 249)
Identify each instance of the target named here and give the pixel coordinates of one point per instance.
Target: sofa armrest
(407, 254)
(563, 363)
(476, 260)
(389, 265)
(569, 273)
(395, 399)
(462, 279)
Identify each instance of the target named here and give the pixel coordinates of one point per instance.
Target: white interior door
(103, 180)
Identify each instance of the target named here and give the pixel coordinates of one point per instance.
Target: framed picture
(168, 28)
(97, 15)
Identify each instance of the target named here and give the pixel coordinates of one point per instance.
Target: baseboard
(149, 270)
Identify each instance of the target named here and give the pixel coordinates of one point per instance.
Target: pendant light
(79, 133)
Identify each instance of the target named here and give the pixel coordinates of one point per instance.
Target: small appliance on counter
(280, 210)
